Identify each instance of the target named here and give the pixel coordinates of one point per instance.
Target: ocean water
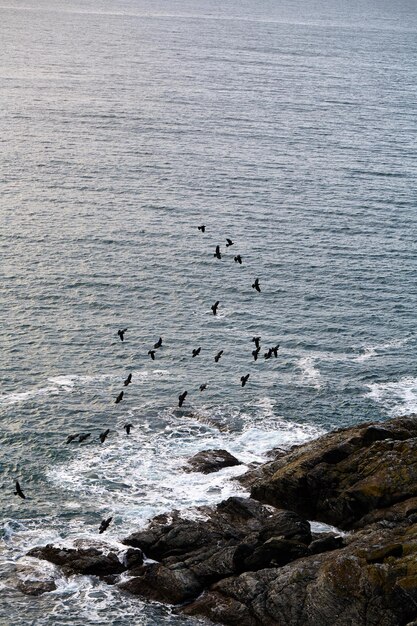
(289, 127)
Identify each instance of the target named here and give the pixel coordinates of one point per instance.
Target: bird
(158, 344)
(202, 228)
(256, 341)
(196, 352)
(119, 398)
(181, 398)
(72, 437)
(255, 354)
(238, 259)
(268, 354)
(127, 428)
(229, 242)
(19, 491)
(121, 333)
(256, 285)
(214, 307)
(84, 437)
(128, 380)
(275, 350)
(203, 386)
(104, 524)
(217, 254)
(104, 435)
(218, 355)
(152, 353)
(244, 379)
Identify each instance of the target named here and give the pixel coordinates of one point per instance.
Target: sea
(287, 126)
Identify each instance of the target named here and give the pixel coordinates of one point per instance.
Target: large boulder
(90, 561)
(208, 461)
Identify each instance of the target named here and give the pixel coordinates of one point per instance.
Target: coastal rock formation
(208, 461)
(254, 561)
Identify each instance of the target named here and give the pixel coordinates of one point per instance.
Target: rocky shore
(255, 561)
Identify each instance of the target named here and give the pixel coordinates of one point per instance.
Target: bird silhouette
(104, 435)
(72, 437)
(196, 352)
(214, 307)
(255, 354)
(152, 354)
(121, 333)
(158, 343)
(256, 341)
(268, 354)
(202, 387)
(244, 379)
(218, 355)
(181, 398)
(275, 350)
(238, 259)
(128, 380)
(104, 525)
(202, 228)
(229, 242)
(19, 491)
(217, 254)
(119, 398)
(256, 285)
(84, 437)
(127, 428)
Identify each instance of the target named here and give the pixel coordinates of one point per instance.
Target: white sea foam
(371, 351)
(398, 397)
(310, 374)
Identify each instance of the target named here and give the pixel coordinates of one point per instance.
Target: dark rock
(88, 562)
(133, 558)
(326, 542)
(36, 587)
(209, 461)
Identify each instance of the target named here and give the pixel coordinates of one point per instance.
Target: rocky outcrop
(208, 461)
(254, 561)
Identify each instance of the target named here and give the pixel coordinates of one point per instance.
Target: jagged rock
(326, 542)
(346, 475)
(209, 461)
(35, 587)
(90, 561)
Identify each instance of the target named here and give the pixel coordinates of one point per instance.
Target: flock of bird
(272, 351)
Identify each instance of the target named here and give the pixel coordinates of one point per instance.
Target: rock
(209, 461)
(133, 558)
(346, 475)
(35, 587)
(89, 562)
(326, 542)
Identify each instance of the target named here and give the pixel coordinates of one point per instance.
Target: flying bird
(84, 437)
(238, 259)
(152, 353)
(217, 253)
(181, 398)
(127, 428)
(244, 379)
(121, 333)
(202, 228)
(214, 307)
(105, 524)
(119, 398)
(158, 343)
(218, 355)
(19, 491)
(128, 380)
(72, 437)
(275, 350)
(229, 242)
(256, 285)
(202, 387)
(268, 354)
(196, 352)
(256, 341)
(255, 354)
(104, 435)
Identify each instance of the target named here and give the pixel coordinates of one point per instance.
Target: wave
(310, 374)
(397, 397)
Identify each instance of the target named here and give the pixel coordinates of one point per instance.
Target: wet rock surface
(209, 461)
(254, 561)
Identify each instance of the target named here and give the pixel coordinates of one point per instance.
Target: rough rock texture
(346, 475)
(209, 461)
(35, 587)
(90, 561)
(246, 563)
